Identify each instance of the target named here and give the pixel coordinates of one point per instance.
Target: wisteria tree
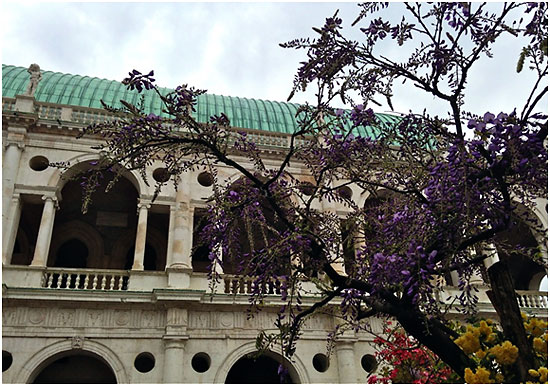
(452, 184)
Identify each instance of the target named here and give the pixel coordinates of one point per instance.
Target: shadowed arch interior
(75, 367)
(261, 370)
(109, 217)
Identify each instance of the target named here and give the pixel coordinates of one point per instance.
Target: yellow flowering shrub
(540, 345)
(482, 375)
(505, 353)
(543, 372)
(468, 342)
(495, 355)
(535, 327)
(484, 328)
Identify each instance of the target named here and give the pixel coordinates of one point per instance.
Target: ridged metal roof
(85, 91)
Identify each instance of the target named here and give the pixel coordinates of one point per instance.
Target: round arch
(83, 232)
(536, 280)
(534, 216)
(297, 368)
(81, 163)
(366, 195)
(43, 357)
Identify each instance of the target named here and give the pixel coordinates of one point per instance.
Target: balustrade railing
(48, 112)
(8, 104)
(532, 299)
(77, 279)
(245, 285)
(90, 116)
(87, 116)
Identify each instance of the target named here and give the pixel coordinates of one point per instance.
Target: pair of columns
(179, 237)
(181, 225)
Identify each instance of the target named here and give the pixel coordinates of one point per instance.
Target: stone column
(183, 237)
(44, 238)
(346, 362)
(10, 167)
(10, 231)
(141, 236)
(173, 360)
(170, 244)
(183, 226)
(180, 268)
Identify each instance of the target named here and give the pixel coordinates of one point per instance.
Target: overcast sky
(226, 48)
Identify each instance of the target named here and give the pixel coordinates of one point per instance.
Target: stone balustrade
(85, 279)
(87, 116)
(8, 104)
(234, 284)
(532, 299)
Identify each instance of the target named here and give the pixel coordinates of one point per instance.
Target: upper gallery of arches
(85, 91)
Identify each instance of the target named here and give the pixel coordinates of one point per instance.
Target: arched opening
(526, 271)
(262, 369)
(540, 284)
(86, 240)
(72, 254)
(71, 367)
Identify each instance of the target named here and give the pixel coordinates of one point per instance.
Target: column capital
(51, 197)
(14, 142)
(146, 205)
(171, 341)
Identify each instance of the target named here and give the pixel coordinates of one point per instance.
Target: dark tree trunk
(504, 300)
(434, 336)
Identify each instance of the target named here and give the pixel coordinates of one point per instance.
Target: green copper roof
(85, 91)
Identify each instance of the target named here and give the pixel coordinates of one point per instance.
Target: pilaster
(346, 360)
(14, 145)
(10, 231)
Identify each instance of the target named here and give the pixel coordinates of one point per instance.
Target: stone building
(116, 294)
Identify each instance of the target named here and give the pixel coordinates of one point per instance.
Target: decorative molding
(178, 320)
(205, 320)
(48, 317)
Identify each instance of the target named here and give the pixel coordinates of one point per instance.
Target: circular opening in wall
(39, 163)
(307, 188)
(320, 362)
(369, 363)
(161, 175)
(7, 360)
(144, 362)
(200, 362)
(345, 191)
(205, 179)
